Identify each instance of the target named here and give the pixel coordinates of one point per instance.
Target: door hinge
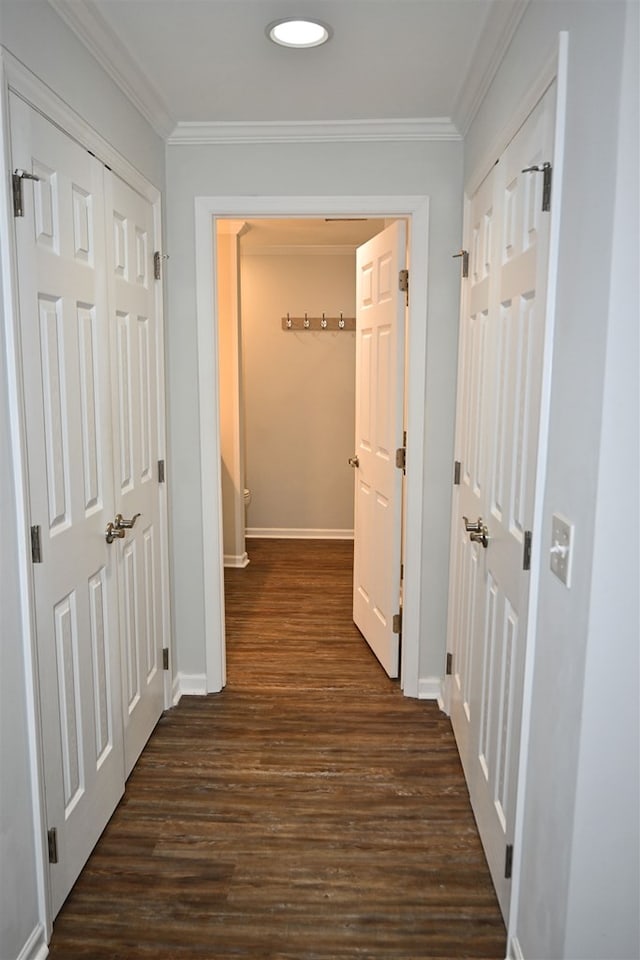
(403, 283)
(52, 844)
(508, 861)
(401, 453)
(397, 623)
(160, 471)
(457, 466)
(157, 264)
(165, 658)
(449, 666)
(547, 172)
(401, 572)
(465, 262)
(18, 194)
(36, 546)
(526, 558)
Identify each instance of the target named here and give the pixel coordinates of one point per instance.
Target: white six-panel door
(65, 349)
(501, 350)
(91, 345)
(380, 322)
(135, 352)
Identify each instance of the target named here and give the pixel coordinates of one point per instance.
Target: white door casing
(207, 209)
(380, 322)
(502, 341)
(62, 295)
(136, 371)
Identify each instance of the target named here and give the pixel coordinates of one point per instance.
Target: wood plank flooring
(309, 812)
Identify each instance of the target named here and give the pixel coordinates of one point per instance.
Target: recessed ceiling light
(298, 33)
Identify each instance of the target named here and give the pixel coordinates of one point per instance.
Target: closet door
(136, 361)
(65, 369)
(502, 341)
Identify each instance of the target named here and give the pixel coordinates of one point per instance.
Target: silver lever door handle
(121, 524)
(354, 461)
(473, 526)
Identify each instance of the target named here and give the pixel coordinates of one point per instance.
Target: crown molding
(497, 34)
(315, 131)
(107, 48)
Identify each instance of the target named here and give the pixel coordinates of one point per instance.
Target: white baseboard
(515, 950)
(35, 948)
(297, 533)
(188, 684)
(430, 688)
(236, 562)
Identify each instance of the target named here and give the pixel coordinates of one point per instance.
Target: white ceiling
(313, 233)
(210, 62)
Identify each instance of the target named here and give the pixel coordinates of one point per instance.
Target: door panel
(65, 350)
(473, 410)
(502, 341)
(136, 375)
(380, 322)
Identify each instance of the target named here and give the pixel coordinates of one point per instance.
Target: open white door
(380, 328)
(136, 333)
(65, 351)
(502, 339)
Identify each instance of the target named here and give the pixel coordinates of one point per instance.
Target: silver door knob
(114, 533)
(354, 461)
(480, 536)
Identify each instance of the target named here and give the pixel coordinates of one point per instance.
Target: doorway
(287, 390)
(208, 209)
(316, 353)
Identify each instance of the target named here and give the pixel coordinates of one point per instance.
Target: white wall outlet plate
(561, 553)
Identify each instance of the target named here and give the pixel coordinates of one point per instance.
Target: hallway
(308, 811)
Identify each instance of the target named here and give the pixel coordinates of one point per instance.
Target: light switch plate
(561, 548)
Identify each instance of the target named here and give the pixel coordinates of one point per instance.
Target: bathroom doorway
(286, 315)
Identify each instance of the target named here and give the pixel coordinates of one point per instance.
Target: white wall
(573, 634)
(18, 889)
(299, 390)
(603, 917)
(298, 169)
(33, 33)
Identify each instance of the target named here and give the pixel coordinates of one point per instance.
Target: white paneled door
(136, 377)
(65, 349)
(502, 337)
(95, 603)
(380, 328)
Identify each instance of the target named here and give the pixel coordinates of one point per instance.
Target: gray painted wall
(299, 393)
(603, 919)
(33, 33)
(566, 910)
(18, 888)
(313, 169)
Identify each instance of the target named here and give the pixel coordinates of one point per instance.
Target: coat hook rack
(318, 323)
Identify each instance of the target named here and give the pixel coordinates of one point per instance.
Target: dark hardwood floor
(308, 812)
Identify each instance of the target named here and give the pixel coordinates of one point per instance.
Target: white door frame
(14, 76)
(207, 209)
